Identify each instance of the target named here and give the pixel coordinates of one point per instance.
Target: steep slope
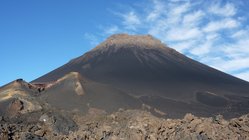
(144, 68)
(73, 92)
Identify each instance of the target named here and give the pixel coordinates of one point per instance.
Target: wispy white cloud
(243, 75)
(180, 33)
(93, 39)
(238, 49)
(212, 32)
(240, 34)
(175, 12)
(179, 0)
(178, 10)
(184, 45)
(194, 18)
(111, 30)
(131, 20)
(212, 37)
(232, 65)
(202, 49)
(223, 10)
(206, 45)
(227, 23)
(157, 11)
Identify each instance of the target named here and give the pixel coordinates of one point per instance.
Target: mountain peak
(127, 36)
(139, 71)
(128, 41)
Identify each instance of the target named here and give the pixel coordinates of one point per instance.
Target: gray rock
(30, 136)
(63, 124)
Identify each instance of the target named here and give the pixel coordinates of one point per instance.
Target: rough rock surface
(124, 124)
(15, 107)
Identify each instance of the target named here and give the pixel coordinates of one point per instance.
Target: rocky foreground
(124, 124)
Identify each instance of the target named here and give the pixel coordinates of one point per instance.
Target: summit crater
(131, 41)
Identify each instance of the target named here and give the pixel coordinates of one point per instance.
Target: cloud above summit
(213, 32)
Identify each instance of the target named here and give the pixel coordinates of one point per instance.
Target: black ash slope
(144, 69)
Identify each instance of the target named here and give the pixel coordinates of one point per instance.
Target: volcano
(124, 89)
(131, 72)
(140, 72)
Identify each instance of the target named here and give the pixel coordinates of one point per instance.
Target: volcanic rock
(128, 87)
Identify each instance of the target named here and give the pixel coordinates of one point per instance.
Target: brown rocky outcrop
(128, 124)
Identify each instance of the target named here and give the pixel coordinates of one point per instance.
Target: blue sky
(37, 36)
